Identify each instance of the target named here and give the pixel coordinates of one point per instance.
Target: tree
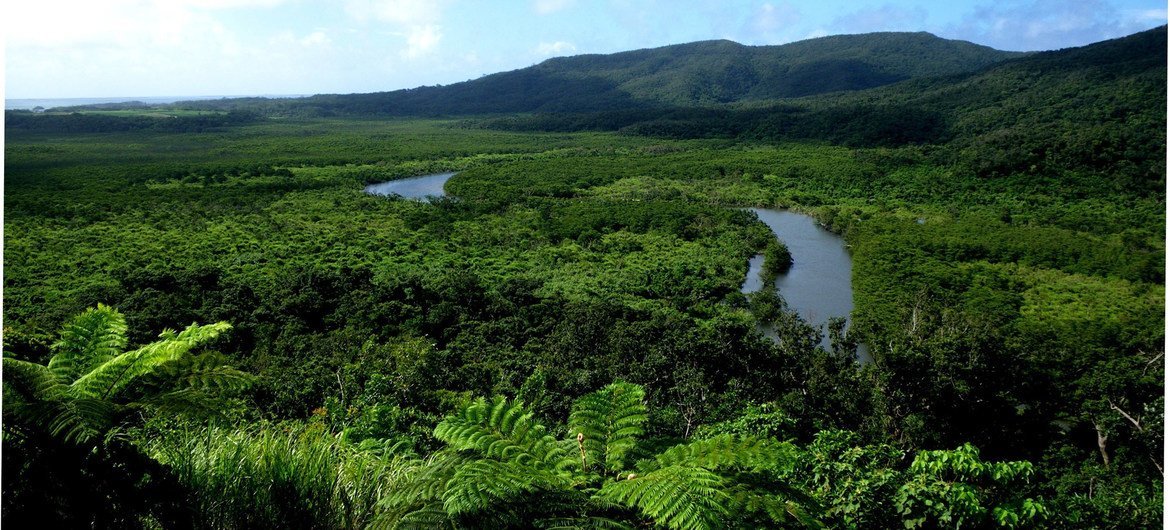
(90, 386)
(502, 469)
(66, 460)
(957, 489)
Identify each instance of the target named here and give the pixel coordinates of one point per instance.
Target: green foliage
(957, 489)
(501, 467)
(271, 476)
(777, 259)
(67, 422)
(90, 387)
(610, 422)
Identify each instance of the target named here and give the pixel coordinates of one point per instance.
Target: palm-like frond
(83, 391)
(429, 517)
(92, 338)
(610, 422)
(778, 509)
(112, 376)
(726, 452)
(424, 486)
(677, 497)
(504, 430)
(30, 380)
(77, 420)
(481, 484)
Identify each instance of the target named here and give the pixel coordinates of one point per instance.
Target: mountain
(1095, 113)
(684, 75)
(725, 72)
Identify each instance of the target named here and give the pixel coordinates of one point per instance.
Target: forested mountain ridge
(725, 71)
(683, 75)
(1097, 109)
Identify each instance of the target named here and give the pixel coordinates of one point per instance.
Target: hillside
(683, 75)
(1097, 110)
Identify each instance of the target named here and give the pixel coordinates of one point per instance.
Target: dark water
(417, 188)
(819, 285)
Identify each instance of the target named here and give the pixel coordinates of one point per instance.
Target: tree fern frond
(676, 497)
(92, 338)
(726, 451)
(185, 401)
(425, 484)
(112, 376)
(610, 421)
(482, 484)
(503, 430)
(776, 508)
(78, 420)
(31, 380)
(209, 371)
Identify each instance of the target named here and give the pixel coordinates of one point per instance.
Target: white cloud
(549, 49)
(316, 38)
(548, 7)
(422, 40)
(1150, 15)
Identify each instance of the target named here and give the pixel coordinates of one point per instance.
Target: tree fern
(502, 469)
(726, 451)
(89, 383)
(675, 496)
(609, 422)
(115, 374)
(92, 338)
(504, 430)
(482, 484)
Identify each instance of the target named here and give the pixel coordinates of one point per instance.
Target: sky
(116, 48)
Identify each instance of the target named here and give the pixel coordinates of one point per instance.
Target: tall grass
(269, 476)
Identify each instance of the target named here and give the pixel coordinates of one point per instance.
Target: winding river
(417, 188)
(819, 285)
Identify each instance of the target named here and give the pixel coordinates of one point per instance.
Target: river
(417, 188)
(819, 285)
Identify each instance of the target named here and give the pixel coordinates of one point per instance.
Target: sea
(29, 104)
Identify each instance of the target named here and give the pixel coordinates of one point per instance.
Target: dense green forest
(208, 323)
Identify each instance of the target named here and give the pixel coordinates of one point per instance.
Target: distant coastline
(48, 103)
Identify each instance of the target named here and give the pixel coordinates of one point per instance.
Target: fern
(726, 452)
(481, 484)
(92, 338)
(503, 430)
(89, 385)
(676, 497)
(502, 469)
(117, 373)
(609, 422)
(582, 523)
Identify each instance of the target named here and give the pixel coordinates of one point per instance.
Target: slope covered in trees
(683, 75)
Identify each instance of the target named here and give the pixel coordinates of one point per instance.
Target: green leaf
(610, 421)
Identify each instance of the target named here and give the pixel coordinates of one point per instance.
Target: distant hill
(684, 75)
(1095, 113)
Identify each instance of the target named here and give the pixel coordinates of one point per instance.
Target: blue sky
(113, 48)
